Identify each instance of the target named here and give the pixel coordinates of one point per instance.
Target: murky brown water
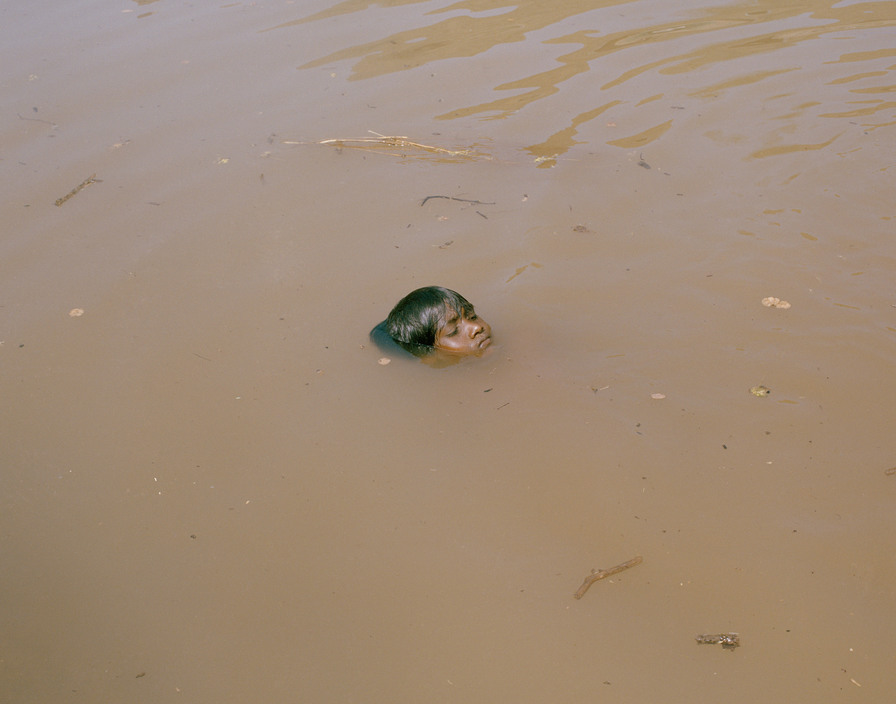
(212, 492)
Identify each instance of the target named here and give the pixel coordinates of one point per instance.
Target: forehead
(453, 315)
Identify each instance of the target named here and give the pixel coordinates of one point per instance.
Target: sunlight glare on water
(585, 61)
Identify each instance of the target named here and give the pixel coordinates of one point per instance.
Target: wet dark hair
(416, 319)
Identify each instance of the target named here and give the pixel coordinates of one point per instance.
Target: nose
(476, 328)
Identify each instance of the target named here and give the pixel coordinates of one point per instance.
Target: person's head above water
(436, 318)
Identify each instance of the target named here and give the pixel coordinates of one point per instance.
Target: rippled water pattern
(821, 67)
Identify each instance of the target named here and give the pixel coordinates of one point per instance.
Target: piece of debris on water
(760, 390)
(773, 302)
(77, 189)
(890, 471)
(383, 361)
(729, 641)
(379, 142)
(76, 312)
(658, 396)
(603, 574)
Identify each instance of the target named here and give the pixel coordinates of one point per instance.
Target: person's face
(464, 335)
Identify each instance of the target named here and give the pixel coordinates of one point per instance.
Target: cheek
(442, 341)
(455, 343)
(450, 343)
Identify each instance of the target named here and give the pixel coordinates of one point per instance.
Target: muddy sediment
(212, 490)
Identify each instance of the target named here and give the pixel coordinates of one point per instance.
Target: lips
(486, 341)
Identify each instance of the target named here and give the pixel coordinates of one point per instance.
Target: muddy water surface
(212, 492)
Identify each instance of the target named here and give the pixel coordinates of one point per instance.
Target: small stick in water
(601, 574)
(462, 200)
(84, 184)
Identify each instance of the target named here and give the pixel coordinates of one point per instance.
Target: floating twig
(729, 641)
(462, 200)
(601, 574)
(37, 119)
(381, 140)
(84, 184)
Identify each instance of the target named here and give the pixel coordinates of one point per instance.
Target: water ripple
(627, 53)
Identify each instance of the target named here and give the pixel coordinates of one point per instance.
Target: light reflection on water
(578, 60)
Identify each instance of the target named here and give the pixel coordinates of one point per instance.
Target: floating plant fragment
(772, 302)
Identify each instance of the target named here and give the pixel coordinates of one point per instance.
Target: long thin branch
(77, 189)
(462, 200)
(602, 574)
(389, 141)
